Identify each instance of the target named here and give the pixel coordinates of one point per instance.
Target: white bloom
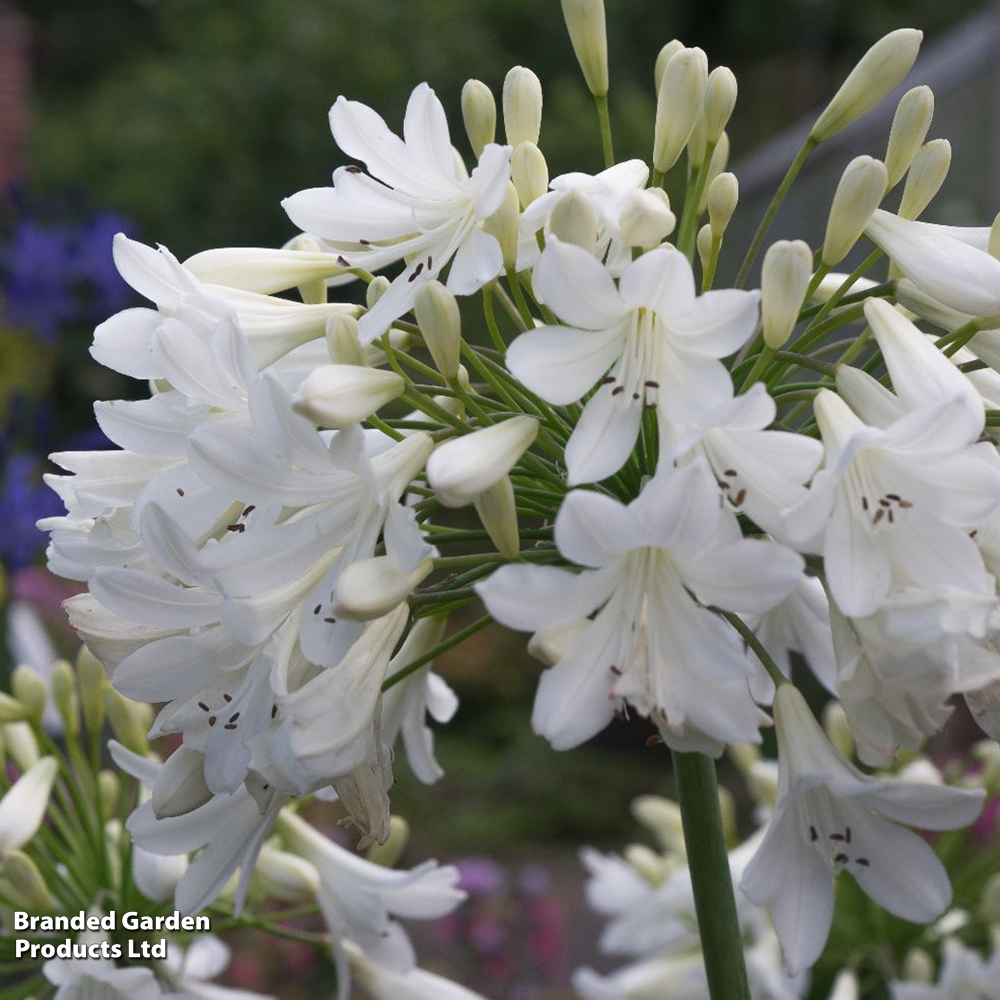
(964, 975)
(890, 504)
(389, 984)
(830, 818)
(22, 808)
(415, 205)
(191, 968)
(359, 899)
(650, 341)
(100, 979)
(649, 643)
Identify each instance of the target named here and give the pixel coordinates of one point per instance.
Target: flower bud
(65, 697)
(264, 270)
(93, 682)
(718, 163)
(529, 173)
(697, 147)
(679, 102)
(663, 817)
(784, 281)
(720, 99)
(30, 690)
(505, 225)
(180, 785)
(370, 588)
(589, 35)
(285, 877)
(377, 287)
(762, 782)
(993, 241)
(743, 756)
(389, 853)
(479, 112)
(109, 788)
(338, 395)
(26, 880)
(20, 744)
(573, 220)
(653, 867)
(663, 57)
(845, 986)
(918, 967)
(342, 342)
(522, 106)
(989, 900)
(12, 710)
(857, 196)
(463, 467)
(497, 511)
(704, 243)
(837, 729)
(646, 219)
(312, 292)
(130, 721)
(157, 875)
(440, 324)
(550, 645)
(909, 129)
(22, 808)
(723, 196)
(878, 72)
(924, 179)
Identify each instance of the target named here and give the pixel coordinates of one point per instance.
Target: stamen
(330, 621)
(878, 516)
(238, 528)
(203, 706)
(180, 492)
(212, 720)
(862, 861)
(841, 859)
(813, 835)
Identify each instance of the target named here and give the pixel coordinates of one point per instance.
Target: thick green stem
(708, 860)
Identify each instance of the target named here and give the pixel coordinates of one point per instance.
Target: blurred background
(185, 122)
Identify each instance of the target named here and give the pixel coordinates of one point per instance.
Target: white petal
(718, 323)
(603, 438)
(660, 280)
(477, 262)
(593, 529)
(425, 131)
(144, 598)
(577, 287)
(122, 343)
(856, 567)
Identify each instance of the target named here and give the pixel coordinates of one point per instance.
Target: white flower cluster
(263, 555)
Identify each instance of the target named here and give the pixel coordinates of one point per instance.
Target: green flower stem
(708, 861)
(759, 367)
(834, 300)
(656, 179)
(692, 198)
(750, 638)
(509, 305)
(960, 337)
(441, 647)
(708, 278)
(772, 210)
(604, 119)
(440, 535)
(381, 425)
(491, 321)
(520, 300)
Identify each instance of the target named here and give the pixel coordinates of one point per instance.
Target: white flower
(101, 979)
(650, 342)
(830, 818)
(891, 504)
(964, 975)
(22, 808)
(649, 643)
(388, 984)
(415, 205)
(359, 899)
(191, 968)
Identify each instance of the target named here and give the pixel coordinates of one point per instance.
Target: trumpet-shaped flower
(415, 203)
(650, 342)
(649, 643)
(830, 818)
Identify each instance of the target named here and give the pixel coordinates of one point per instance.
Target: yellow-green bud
(705, 245)
(918, 966)
(505, 225)
(93, 681)
(180, 785)
(522, 106)
(573, 220)
(22, 747)
(30, 690)
(26, 881)
(12, 710)
(130, 721)
(877, 73)
(663, 57)
(663, 817)
(723, 196)
(377, 287)
(589, 35)
(109, 786)
(909, 129)
(313, 292)
(529, 172)
(720, 99)
(993, 244)
(342, 342)
(646, 218)
(653, 867)
(285, 877)
(337, 395)
(440, 324)
(727, 809)
(989, 900)
(762, 782)
(65, 697)
(371, 588)
(924, 179)
(718, 163)
(784, 281)
(679, 102)
(391, 851)
(857, 196)
(837, 729)
(497, 511)
(697, 147)
(479, 112)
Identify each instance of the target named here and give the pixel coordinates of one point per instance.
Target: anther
(330, 621)
(864, 503)
(617, 389)
(863, 861)
(274, 711)
(650, 384)
(180, 492)
(234, 716)
(352, 169)
(203, 706)
(227, 698)
(841, 859)
(249, 510)
(878, 516)
(740, 497)
(343, 261)
(212, 720)
(238, 528)
(229, 725)
(317, 609)
(813, 835)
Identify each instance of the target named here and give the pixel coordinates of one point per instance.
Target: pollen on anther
(813, 835)
(317, 609)
(203, 706)
(330, 621)
(212, 720)
(863, 861)
(841, 859)
(878, 516)
(230, 725)
(180, 492)
(617, 389)
(227, 698)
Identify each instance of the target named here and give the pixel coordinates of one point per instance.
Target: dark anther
(841, 859)
(740, 497)
(365, 243)
(229, 725)
(884, 503)
(837, 836)
(635, 395)
(730, 472)
(430, 262)
(650, 384)
(274, 711)
(203, 706)
(892, 520)
(615, 670)
(617, 389)
(317, 609)
(249, 510)
(864, 503)
(878, 516)
(227, 698)
(847, 833)
(212, 720)
(343, 261)
(330, 621)
(813, 835)
(238, 528)
(234, 716)
(180, 492)
(893, 496)
(352, 169)
(863, 861)
(607, 380)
